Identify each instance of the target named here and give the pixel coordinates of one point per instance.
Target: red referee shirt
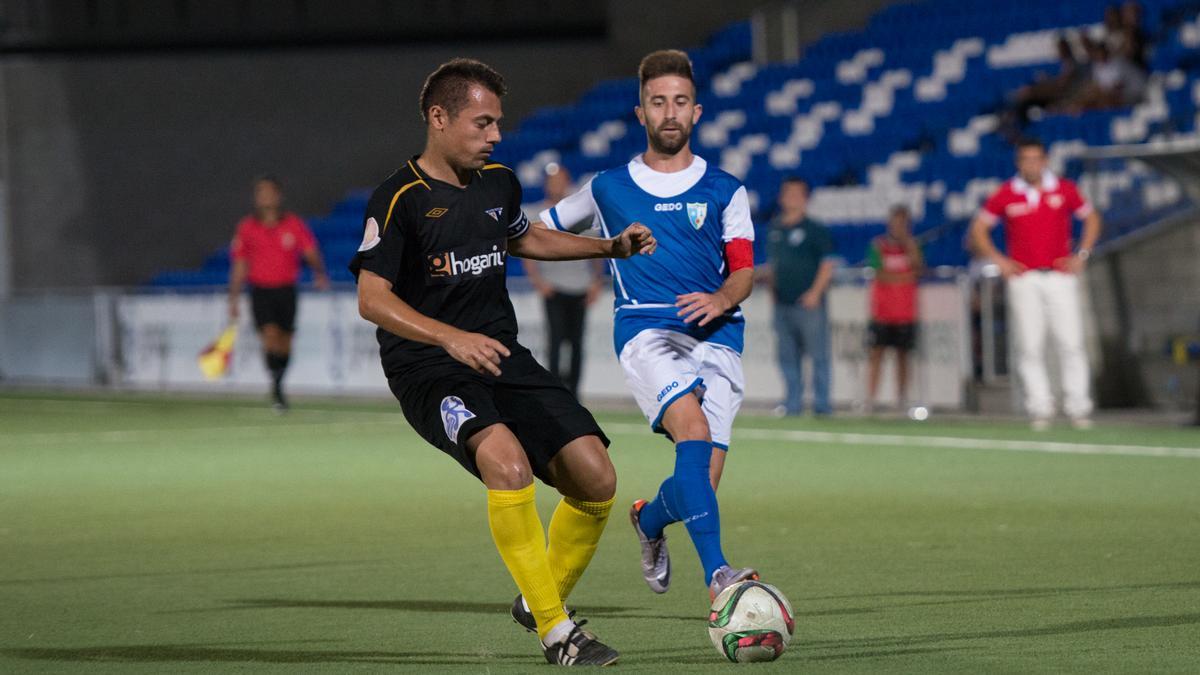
(273, 254)
(1037, 219)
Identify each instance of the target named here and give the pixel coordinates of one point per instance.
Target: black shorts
(275, 306)
(902, 336)
(448, 402)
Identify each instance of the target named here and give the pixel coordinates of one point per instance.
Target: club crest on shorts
(454, 414)
(697, 213)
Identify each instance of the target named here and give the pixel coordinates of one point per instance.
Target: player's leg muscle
(501, 459)
(582, 470)
(685, 420)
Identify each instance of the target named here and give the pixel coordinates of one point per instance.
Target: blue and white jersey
(692, 213)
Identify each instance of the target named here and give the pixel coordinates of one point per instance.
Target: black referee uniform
(444, 249)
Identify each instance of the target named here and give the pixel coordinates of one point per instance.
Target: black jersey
(445, 251)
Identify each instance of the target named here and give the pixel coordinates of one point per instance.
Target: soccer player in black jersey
(431, 276)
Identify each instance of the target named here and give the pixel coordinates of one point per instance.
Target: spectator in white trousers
(1042, 271)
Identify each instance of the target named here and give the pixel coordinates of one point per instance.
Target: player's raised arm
(377, 304)
(542, 243)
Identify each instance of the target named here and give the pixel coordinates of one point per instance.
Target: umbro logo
(495, 213)
(436, 212)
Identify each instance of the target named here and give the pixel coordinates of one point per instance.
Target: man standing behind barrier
(1043, 278)
(800, 254)
(896, 258)
(569, 287)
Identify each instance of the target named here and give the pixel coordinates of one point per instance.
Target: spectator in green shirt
(800, 268)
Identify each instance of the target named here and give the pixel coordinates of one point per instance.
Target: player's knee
(602, 484)
(506, 475)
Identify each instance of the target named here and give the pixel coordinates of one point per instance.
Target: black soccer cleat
(279, 402)
(581, 648)
(524, 617)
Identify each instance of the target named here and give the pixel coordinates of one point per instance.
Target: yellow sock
(517, 531)
(575, 530)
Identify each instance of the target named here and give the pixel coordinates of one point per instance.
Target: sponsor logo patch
(454, 414)
(436, 212)
(467, 262)
(669, 206)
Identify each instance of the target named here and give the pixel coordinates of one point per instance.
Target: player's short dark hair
(665, 62)
(449, 85)
(796, 180)
(1030, 142)
(269, 178)
(900, 210)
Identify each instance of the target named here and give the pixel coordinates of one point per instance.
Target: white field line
(952, 442)
(758, 434)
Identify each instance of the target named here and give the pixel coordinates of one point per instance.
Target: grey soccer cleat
(656, 560)
(580, 648)
(726, 576)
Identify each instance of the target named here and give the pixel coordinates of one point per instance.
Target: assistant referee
(266, 252)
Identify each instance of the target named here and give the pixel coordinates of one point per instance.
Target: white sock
(561, 630)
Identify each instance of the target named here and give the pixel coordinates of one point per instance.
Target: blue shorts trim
(656, 425)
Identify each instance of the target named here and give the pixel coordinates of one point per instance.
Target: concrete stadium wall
(125, 165)
(1162, 285)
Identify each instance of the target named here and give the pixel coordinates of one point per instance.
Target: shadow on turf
(439, 606)
(211, 653)
(1011, 592)
(961, 597)
(1072, 628)
(184, 573)
(868, 648)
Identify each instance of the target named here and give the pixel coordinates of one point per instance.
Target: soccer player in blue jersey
(678, 327)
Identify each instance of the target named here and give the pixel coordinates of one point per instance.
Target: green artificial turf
(142, 534)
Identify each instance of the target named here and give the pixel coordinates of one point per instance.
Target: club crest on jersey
(370, 235)
(697, 213)
(495, 213)
(454, 414)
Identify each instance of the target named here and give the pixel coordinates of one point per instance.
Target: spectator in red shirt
(1043, 278)
(266, 252)
(897, 261)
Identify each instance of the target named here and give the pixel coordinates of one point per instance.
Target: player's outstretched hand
(477, 351)
(701, 306)
(637, 238)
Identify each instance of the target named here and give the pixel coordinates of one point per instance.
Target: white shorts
(662, 365)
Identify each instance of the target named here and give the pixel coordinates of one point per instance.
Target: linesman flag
(214, 360)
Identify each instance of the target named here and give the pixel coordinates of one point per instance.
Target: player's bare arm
(542, 243)
(812, 297)
(981, 240)
(317, 264)
(377, 304)
(1087, 240)
(704, 307)
(237, 279)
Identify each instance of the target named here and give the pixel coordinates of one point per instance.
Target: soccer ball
(751, 621)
